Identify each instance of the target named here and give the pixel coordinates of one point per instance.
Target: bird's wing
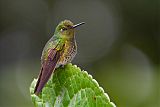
(47, 68)
(52, 43)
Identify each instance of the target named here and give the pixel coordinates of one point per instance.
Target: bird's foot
(62, 66)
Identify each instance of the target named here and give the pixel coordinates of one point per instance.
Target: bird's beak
(78, 24)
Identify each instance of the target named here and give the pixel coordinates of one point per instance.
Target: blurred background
(119, 45)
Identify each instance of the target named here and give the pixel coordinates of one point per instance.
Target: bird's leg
(62, 66)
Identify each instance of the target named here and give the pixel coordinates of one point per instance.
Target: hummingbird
(58, 51)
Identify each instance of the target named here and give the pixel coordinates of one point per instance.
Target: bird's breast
(69, 53)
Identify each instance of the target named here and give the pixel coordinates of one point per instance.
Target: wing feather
(47, 68)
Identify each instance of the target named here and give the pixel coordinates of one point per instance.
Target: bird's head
(66, 29)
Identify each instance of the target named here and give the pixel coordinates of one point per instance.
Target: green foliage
(70, 87)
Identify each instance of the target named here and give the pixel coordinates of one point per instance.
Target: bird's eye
(63, 29)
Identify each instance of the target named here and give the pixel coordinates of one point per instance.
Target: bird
(58, 51)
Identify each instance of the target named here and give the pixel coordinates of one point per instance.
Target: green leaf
(70, 87)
